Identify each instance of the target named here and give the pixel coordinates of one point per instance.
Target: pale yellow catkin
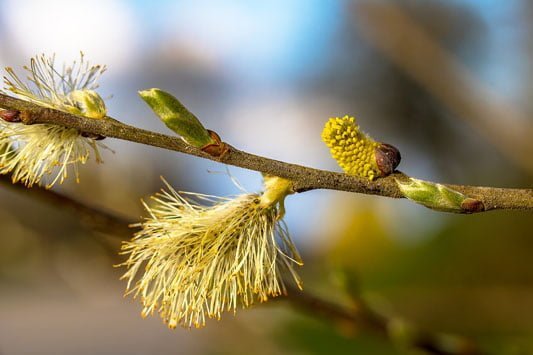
(199, 256)
(44, 154)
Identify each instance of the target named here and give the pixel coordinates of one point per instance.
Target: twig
(304, 178)
(95, 218)
(359, 316)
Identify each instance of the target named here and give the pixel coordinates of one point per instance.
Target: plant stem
(304, 178)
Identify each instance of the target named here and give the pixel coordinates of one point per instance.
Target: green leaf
(177, 117)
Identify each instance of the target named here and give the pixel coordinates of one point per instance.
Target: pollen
(350, 147)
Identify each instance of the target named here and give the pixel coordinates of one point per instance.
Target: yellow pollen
(350, 147)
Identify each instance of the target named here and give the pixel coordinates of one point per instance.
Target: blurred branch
(304, 178)
(359, 316)
(402, 40)
(95, 218)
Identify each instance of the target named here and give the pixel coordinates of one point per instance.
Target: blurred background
(445, 81)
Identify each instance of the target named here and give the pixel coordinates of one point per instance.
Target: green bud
(437, 196)
(177, 117)
(87, 103)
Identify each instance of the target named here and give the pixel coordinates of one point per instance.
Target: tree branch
(304, 178)
(361, 317)
(95, 218)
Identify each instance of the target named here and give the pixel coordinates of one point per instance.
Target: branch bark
(361, 317)
(94, 218)
(304, 178)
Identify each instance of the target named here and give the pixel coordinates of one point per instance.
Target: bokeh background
(445, 81)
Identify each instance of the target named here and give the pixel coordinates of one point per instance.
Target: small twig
(361, 317)
(304, 178)
(94, 218)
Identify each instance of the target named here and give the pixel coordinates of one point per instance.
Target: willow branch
(304, 178)
(360, 316)
(95, 218)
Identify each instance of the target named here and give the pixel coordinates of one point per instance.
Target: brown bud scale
(214, 136)
(387, 158)
(10, 115)
(96, 137)
(471, 205)
(216, 150)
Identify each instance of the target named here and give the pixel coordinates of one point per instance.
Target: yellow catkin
(352, 149)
